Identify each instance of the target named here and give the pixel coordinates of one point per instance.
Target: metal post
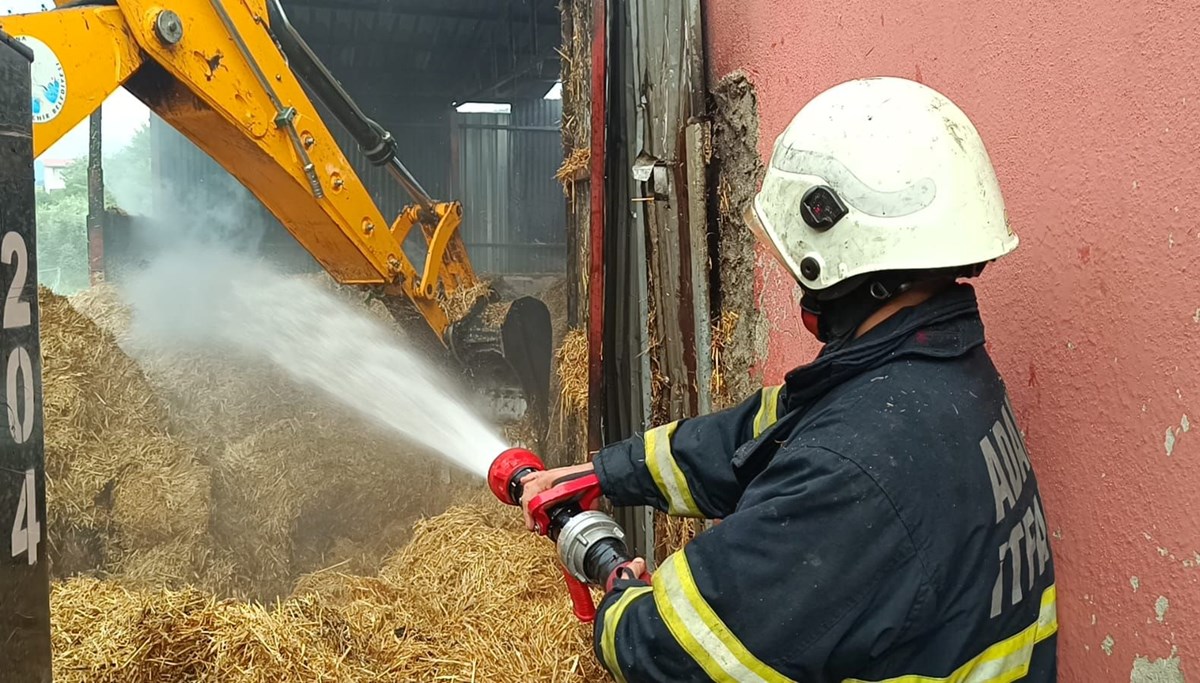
(24, 567)
(95, 216)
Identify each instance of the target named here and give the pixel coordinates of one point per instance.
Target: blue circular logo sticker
(49, 81)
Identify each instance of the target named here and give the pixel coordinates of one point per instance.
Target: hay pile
(122, 494)
(209, 484)
(298, 483)
(473, 597)
(302, 495)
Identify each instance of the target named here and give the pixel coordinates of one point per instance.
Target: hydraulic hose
(376, 143)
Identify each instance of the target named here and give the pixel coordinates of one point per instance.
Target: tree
(62, 232)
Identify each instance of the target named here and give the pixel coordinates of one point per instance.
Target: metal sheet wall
(540, 207)
(515, 210)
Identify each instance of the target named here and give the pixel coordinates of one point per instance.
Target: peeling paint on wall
(1135, 582)
(1159, 671)
(1160, 608)
(1107, 645)
(1170, 440)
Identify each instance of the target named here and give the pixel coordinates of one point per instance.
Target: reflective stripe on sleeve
(768, 410)
(700, 632)
(666, 473)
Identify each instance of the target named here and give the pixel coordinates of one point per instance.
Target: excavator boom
(230, 76)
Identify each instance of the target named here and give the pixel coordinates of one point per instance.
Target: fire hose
(591, 545)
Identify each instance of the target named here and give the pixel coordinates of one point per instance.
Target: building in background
(48, 174)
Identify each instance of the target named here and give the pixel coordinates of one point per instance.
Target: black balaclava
(834, 315)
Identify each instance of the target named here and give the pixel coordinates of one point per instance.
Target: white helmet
(880, 174)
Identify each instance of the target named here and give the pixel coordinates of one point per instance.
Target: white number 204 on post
(26, 530)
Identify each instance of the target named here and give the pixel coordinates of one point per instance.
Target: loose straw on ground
(473, 597)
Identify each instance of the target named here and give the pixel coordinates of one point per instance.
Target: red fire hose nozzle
(507, 471)
(590, 544)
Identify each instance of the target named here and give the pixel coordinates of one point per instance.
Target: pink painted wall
(1091, 112)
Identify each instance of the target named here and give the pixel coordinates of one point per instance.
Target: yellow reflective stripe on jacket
(1007, 660)
(666, 474)
(768, 411)
(700, 632)
(608, 640)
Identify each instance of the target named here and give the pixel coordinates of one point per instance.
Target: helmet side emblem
(821, 208)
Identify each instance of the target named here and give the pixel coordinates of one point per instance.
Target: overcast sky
(123, 114)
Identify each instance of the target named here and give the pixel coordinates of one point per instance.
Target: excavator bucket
(505, 347)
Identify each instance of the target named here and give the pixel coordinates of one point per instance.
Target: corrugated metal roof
(454, 50)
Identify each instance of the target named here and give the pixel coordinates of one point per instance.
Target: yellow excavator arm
(228, 75)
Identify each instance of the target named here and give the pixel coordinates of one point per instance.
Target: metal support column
(95, 215)
(24, 566)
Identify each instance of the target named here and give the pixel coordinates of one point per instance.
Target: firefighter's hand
(635, 570)
(536, 482)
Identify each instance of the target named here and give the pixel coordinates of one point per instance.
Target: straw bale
(161, 494)
(104, 632)
(181, 562)
(473, 597)
(495, 608)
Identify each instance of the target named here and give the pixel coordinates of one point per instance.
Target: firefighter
(880, 519)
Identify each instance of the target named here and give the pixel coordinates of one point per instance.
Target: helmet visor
(760, 232)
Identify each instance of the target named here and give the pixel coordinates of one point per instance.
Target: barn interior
(468, 88)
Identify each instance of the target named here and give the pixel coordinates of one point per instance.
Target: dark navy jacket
(880, 521)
